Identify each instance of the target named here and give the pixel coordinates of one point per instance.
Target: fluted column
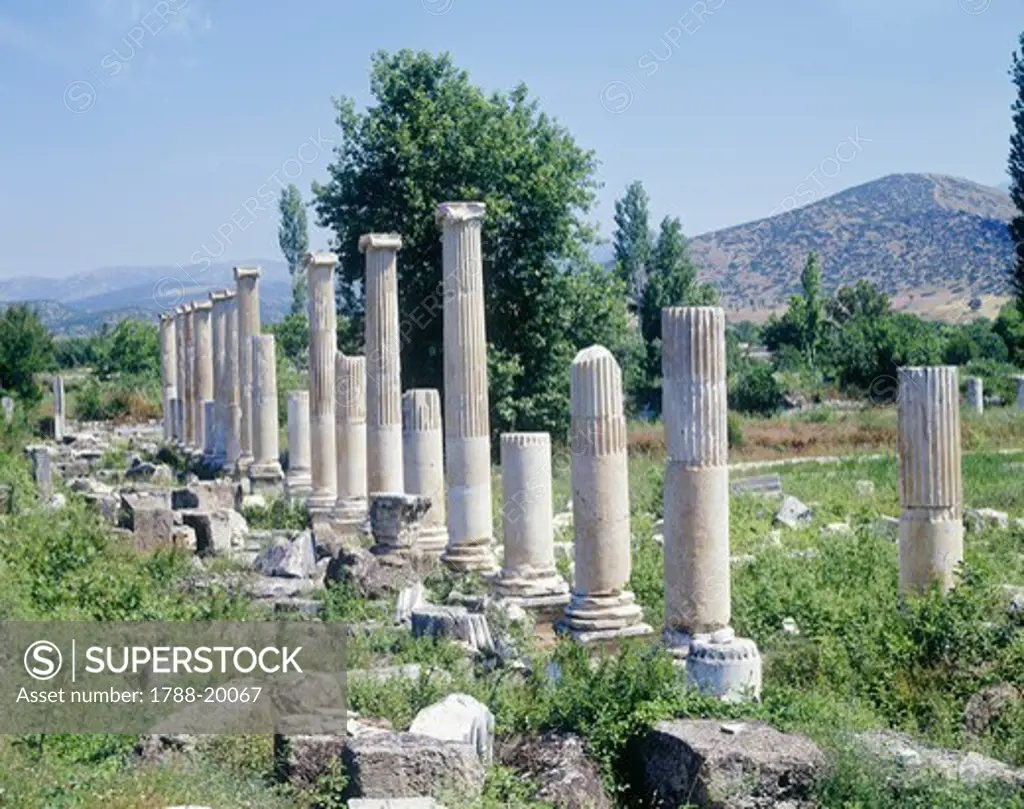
(180, 363)
(528, 577)
(350, 509)
(322, 349)
(168, 372)
(696, 493)
(247, 291)
(203, 375)
(601, 607)
(191, 439)
(931, 493)
(233, 407)
(423, 459)
(265, 471)
(466, 419)
(298, 482)
(976, 395)
(383, 363)
(217, 450)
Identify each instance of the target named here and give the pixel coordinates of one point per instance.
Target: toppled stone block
(293, 558)
(153, 528)
(144, 471)
(376, 577)
(706, 763)
(407, 765)
(978, 519)
(459, 718)
(793, 514)
(183, 538)
(395, 520)
(886, 528)
(205, 496)
(559, 766)
(307, 747)
(131, 502)
(394, 803)
(837, 529)
(767, 485)
(218, 533)
(987, 705)
(456, 623)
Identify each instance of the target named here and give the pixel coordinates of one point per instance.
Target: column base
(267, 479)
(298, 487)
(931, 548)
(321, 503)
(470, 557)
(730, 670)
(594, 618)
(432, 541)
(678, 643)
(243, 464)
(540, 590)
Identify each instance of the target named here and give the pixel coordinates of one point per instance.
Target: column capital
(450, 213)
(202, 306)
(321, 259)
(247, 272)
(379, 241)
(218, 295)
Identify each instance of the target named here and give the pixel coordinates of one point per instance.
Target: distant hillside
(931, 241)
(80, 304)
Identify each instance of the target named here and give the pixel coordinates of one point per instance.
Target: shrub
(756, 391)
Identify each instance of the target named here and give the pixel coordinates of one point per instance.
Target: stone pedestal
(59, 408)
(976, 395)
(931, 494)
(323, 338)
(265, 473)
(528, 577)
(202, 312)
(423, 462)
(247, 294)
(395, 522)
(232, 392)
(350, 508)
(299, 482)
(168, 371)
(601, 608)
(467, 422)
(190, 419)
(383, 364)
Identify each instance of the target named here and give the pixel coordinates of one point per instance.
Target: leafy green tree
(863, 299)
(1009, 325)
(293, 237)
(26, 348)
(131, 348)
(292, 338)
(1016, 168)
(430, 136)
(632, 240)
(671, 281)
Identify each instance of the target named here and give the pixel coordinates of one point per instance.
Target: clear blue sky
(723, 108)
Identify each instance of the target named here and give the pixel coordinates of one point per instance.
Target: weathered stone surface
(149, 472)
(293, 558)
(408, 599)
(707, 763)
(559, 765)
(455, 622)
(374, 577)
(985, 706)
(759, 484)
(395, 520)
(911, 756)
(459, 718)
(152, 528)
(406, 765)
(837, 529)
(793, 514)
(978, 519)
(217, 532)
(301, 756)
(886, 528)
(394, 803)
(206, 495)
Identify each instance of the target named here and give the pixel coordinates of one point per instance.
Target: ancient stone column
(181, 363)
(423, 463)
(601, 607)
(203, 375)
(383, 364)
(233, 405)
(696, 493)
(217, 451)
(247, 280)
(466, 419)
(1020, 392)
(168, 371)
(190, 377)
(976, 395)
(931, 534)
(350, 509)
(59, 408)
(322, 349)
(265, 470)
(528, 576)
(298, 483)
